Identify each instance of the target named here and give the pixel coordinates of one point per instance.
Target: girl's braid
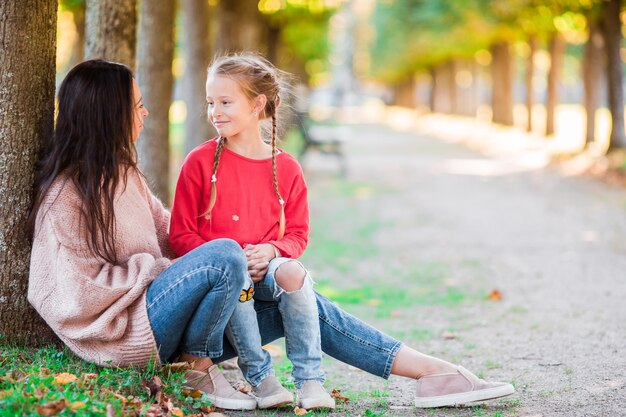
(221, 141)
(281, 218)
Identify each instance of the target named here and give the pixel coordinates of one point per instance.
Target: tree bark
(442, 86)
(239, 27)
(612, 30)
(111, 27)
(502, 84)
(404, 92)
(530, 89)
(154, 74)
(592, 71)
(196, 55)
(27, 75)
(556, 49)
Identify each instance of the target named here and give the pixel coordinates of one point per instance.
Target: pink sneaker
(218, 389)
(443, 390)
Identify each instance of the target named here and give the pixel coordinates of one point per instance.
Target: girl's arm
(184, 233)
(296, 237)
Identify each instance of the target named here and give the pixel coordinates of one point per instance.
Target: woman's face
(229, 109)
(139, 111)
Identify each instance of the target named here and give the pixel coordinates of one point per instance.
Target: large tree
(154, 74)
(591, 74)
(27, 72)
(502, 83)
(556, 47)
(111, 27)
(196, 57)
(612, 29)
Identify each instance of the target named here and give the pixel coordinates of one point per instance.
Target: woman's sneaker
(271, 394)
(218, 389)
(313, 396)
(460, 387)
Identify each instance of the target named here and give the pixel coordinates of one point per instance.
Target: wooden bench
(323, 139)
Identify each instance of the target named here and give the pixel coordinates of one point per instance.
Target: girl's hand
(259, 257)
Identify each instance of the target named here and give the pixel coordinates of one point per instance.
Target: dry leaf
(155, 388)
(448, 335)
(495, 295)
(193, 393)
(89, 377)
(177, 412)
(51, 409)
(336, 394)
(207, 408)
(300, 411)
(243, 387)
(64, 378)
(77, 405)
(179, 366)
(7, 393)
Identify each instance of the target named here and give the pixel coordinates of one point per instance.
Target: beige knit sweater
(97, 308)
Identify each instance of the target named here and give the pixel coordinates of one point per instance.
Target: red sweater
(246, 209)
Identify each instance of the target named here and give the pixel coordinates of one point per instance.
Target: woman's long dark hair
(92, 146)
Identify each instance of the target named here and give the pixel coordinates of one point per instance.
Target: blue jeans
(344, 337)
(298, 311)
(190, 303)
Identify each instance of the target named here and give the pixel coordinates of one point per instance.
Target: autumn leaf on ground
(193, 393)
(51, 409)
(155, 388)
(177, 412)
(448, 335)
(495, 295)
(243, 387)
(77, 405)
(207, 408)
(336, 394)
(64, 378)
(300, 411)
(89, 377)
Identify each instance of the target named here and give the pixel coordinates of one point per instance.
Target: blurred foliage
(413, 35)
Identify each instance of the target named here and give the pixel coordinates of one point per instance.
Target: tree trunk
(443, 83)
(556, 49)
(27, 75)
(111, 31)
(530, 89)
(404, 92)
(196, 55)
(78, 51)
(154, 74)
(273, 41)
(612, 29)
(239, 26)
(502, 84)
(592, 71)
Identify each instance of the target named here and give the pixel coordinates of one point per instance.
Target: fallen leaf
(155, 388)
(177, 412)
(64, 378)
(178, 366)
(336, 394)
(207, 408)
(89, 377)
(77, 405)
(495, 295)
(448, 335)
(44, 371)
(300, 411)
(243, 387)
(7, 393)
(51, 409)
(193, 393)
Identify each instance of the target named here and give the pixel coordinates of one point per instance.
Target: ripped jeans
(298, 310)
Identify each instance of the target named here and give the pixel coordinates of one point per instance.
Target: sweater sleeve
(184, 233)
(296, 237)
(82, 296)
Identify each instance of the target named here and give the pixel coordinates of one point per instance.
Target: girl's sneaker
(313, 396)
(271, 394)
(218, 389)
(460, 387)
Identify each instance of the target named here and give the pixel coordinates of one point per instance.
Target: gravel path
(553, 245)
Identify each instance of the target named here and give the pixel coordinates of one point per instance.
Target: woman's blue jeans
(190, 303)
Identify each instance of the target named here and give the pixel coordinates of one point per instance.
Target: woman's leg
(189, 305)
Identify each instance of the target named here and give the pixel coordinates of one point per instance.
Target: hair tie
(213, 178)
(281, 201)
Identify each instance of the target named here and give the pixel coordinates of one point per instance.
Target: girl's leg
(189, 305)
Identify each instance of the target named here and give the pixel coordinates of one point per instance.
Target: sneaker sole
(230, 403)
(317, 405)
(464, 397)
(279, 400)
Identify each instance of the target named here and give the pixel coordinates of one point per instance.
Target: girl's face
(229, 109)
(139, 111)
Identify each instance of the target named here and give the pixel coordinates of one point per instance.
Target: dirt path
(454, 224)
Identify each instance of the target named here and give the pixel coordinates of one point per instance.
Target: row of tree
(441, 37)
(142, 36)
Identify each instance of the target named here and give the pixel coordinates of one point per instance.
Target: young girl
(240, 187)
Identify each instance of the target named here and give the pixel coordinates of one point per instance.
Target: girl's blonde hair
(255, 75)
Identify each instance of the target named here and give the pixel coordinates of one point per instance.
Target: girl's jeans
(299, 314)
(190, 303)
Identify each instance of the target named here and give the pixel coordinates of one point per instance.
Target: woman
(103, 277)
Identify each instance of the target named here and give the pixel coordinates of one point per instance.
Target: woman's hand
(259, 257)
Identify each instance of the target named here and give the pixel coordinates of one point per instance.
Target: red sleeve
(184, 234)
(296, 238)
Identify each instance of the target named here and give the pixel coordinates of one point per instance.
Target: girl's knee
(290, 276)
